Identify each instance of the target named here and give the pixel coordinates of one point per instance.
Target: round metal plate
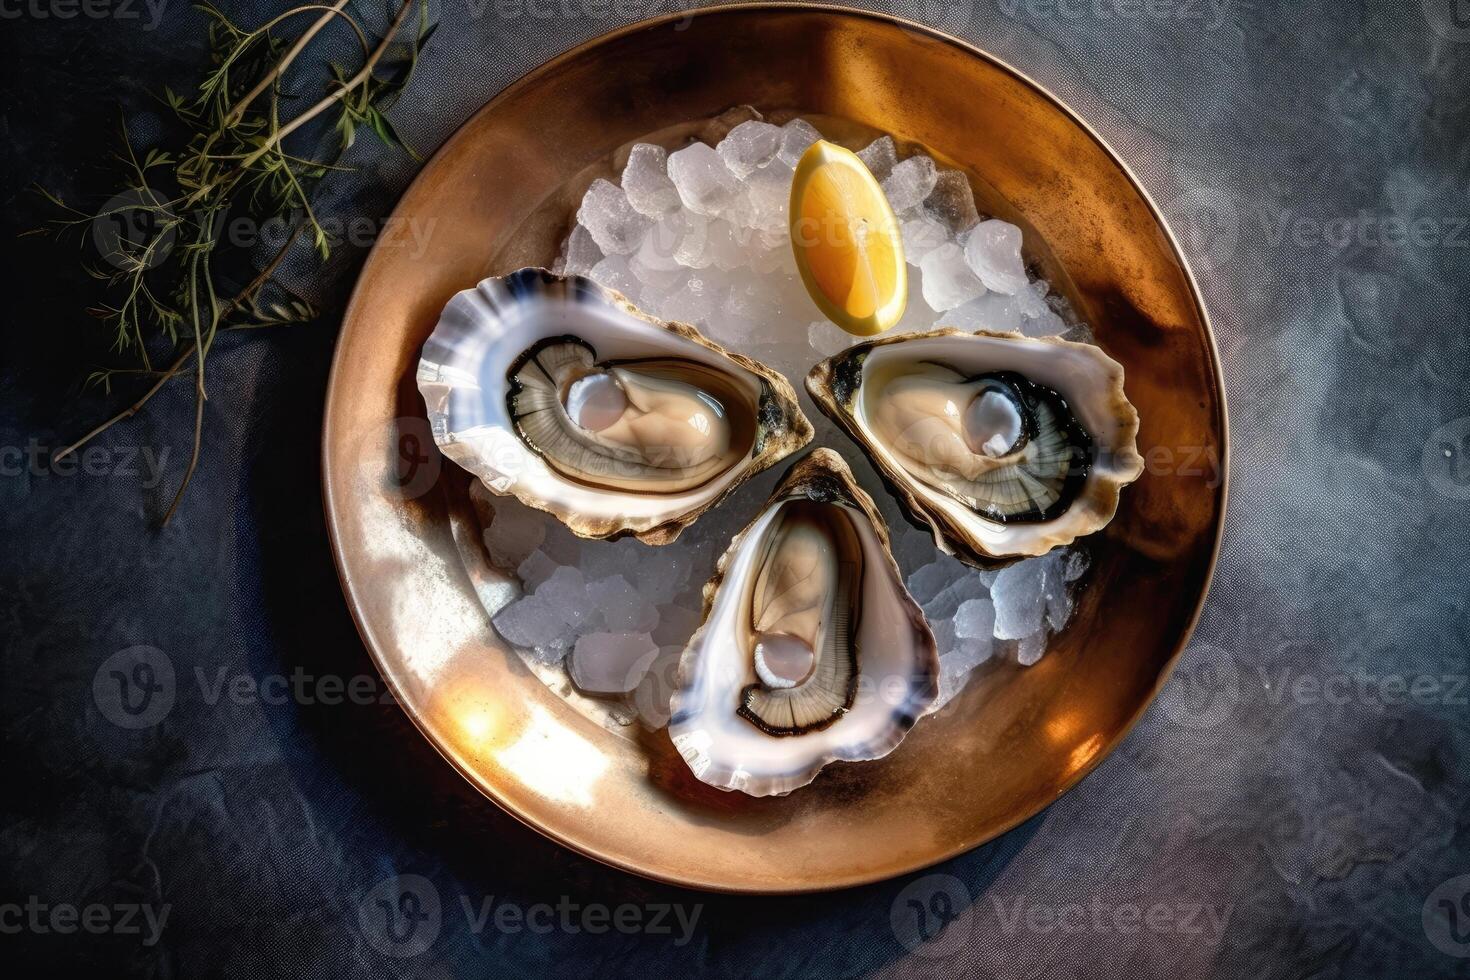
(499, 194)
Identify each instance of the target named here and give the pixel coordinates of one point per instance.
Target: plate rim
(331, 505)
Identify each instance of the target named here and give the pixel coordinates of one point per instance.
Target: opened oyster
(811, 650)
(1006, 446)
(561, 392)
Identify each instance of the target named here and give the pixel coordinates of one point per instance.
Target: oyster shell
(561, 392)
(1006, 446)
(812, 651)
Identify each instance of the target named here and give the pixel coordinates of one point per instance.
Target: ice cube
(921, 235)
(910, 182)
(693, 302)
(614, 272)
(993, 251)
(918, 315)
(1062, 307)
(611, 663)
(560, 544)
(729, 331)
(722, 247)
(764, 262)
(944, 636)
(992, 311)
(879, 156)
(933, 578)
(1031, 301)
(768, 191)
(1046, 324)
(1058, 603)
(537, 568)
(615, 226)
(1020, 599)
(753, 298)
(952, 202)
(514, 533)
(1031, 648)
(778, 242)
(566, 591)
(956, 666)
(602, 559)
(529, 622)
(553, 651)
(663, 575)
(796, 137)
(1075, 564)
(623, 609)
(676, 624)
(1059, 596)
(974, 619)
(582, 252)
(970, 653)
(793, 300)
(705, 184)
(654, 300)
(720, 126)
(655, 263)
(948, 281)
(678, 239)
(966, 585)
(749, 146)
(660, 681)
(827, 338)
(646, 181)
(691, 246)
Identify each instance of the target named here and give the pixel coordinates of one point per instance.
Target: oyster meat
(811, 651)
(561, 392)
(1006, 446)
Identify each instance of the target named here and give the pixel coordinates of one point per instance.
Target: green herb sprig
(170, 268)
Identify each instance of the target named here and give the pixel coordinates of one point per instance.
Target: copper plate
(498, 194)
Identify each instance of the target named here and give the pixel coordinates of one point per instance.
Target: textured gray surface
(1285, 810)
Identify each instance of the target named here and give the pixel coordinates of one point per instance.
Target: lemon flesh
(846, 241)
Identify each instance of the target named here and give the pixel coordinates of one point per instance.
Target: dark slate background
(1285, 810)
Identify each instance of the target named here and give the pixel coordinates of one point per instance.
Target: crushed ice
(700, 235)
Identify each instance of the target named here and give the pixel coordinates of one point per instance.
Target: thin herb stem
(332, 99)
(291, 53)
(194, 454)
(232, 162)
(200, 396)
(240, 299)
(131, 410)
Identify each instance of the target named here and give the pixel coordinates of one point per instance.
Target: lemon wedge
(846, 240)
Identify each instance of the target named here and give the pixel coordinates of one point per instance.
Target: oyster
(1006, 446)
(811, 650)
(559, 391)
